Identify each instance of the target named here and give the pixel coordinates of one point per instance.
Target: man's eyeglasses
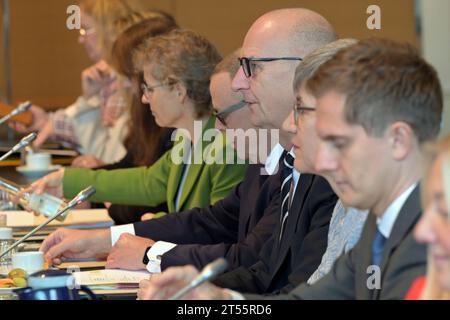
(246, 63)
(86, 32)
(222, 115)
(148, 90)
(300, 110)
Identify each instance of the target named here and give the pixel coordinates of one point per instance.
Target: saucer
(32, 172)
(7, 290)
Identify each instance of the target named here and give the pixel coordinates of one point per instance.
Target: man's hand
(87, 161)
(44, 133)
(147, 216)
(163, 285)
(128, 252)
(51, 183)
(66, 244)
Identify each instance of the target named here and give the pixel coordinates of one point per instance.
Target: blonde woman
(96, 123)
(434, 227)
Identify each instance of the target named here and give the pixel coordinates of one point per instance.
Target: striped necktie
(287, 187)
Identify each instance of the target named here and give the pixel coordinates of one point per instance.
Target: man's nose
(240, 81)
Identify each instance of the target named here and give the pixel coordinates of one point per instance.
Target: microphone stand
(20, 109)
(209, 272)
(80, 197)
(22, 143)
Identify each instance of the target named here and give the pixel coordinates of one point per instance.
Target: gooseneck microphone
(79, 198)
(210, 271)
(22, 144)
(18, 110)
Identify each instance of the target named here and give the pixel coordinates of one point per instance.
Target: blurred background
(46, 59)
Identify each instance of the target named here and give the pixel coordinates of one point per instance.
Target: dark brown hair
(130, 39)
(144, 135)
(383, 82)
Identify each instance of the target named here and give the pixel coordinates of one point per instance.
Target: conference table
(22, 222)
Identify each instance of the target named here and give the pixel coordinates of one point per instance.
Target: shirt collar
(274, 157)
(386, 221)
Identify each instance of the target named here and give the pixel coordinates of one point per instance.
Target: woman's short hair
(182, 56)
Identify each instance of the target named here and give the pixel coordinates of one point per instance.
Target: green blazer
(208, 180)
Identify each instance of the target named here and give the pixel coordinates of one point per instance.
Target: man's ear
(181, 91)
(401, 139)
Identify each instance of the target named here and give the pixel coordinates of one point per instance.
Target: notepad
(97, 218)
(88, 264)
(111, 278)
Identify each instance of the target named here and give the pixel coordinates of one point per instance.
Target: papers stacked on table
(114, 280)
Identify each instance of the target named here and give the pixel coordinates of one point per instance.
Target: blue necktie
(286, 189)
(377, 247)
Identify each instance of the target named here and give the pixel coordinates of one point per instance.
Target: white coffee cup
(38, 161)
(6, 233)
(29, 261)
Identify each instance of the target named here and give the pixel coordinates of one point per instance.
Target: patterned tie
(377, 247)
(286, 189)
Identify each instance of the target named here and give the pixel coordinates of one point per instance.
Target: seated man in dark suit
(377, 103)
(295, 250)
(236, 227)
(201, 231)
(232, 228)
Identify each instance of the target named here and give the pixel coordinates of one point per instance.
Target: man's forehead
(330, 115)
(259, 45)
(303, 96)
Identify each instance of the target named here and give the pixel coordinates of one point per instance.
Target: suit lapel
(255, 191)
(191, 179)
(303, 186)
(367, 235)
(176, 170)
(172, 185)
(409, 213)
(406, 219)
(194, 169)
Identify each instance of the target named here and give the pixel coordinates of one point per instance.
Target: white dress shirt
(386, 222)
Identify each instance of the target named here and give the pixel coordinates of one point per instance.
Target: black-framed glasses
(246, 63)
(300, 110)
(148, 90)
(222, 115)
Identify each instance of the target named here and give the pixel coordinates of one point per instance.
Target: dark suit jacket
(235, 227)
(402, 262)
(286, 264)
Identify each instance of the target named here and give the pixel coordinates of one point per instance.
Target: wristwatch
(145, 260)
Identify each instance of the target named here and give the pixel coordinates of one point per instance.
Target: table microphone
(18, 110)
(210, 271)
(22, 144)
(79, 198)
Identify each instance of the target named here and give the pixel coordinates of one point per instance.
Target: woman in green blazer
(177, 67)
